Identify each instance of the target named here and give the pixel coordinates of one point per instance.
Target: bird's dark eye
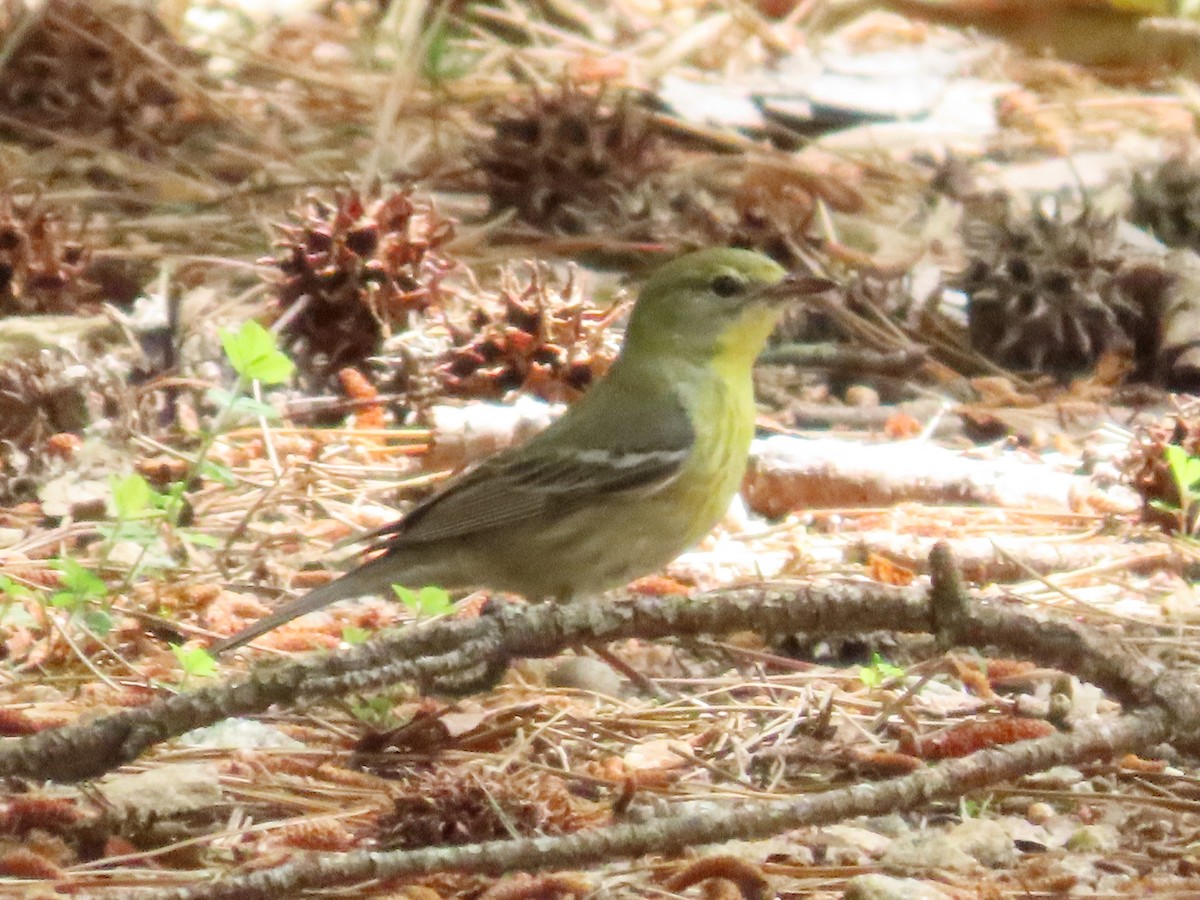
(727, 285)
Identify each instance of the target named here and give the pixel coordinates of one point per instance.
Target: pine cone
(1042, 294)
(1168, 202)
(359, 267)
(566, 162)
(98, 69)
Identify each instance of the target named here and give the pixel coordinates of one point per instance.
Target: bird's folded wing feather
(505, 491)
(551, 475)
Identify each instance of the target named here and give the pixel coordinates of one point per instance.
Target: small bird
(640, 469)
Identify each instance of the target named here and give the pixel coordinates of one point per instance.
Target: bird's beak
(793, 286)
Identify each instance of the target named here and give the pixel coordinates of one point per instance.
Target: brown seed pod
(41, 270)
(466, 805)
(531, 337)
(354, 268)
(567, 161)
(1042, 295)
(40, 397)
(776, 202)
(1167, 202)
(764, 204)
(110, 71)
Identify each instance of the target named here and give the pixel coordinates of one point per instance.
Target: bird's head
(714, 306)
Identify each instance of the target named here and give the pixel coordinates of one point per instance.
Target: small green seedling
(195, 662)
(1185, 470)
(429, 601)
(971, 808)
(139, 512)
(255, 355)
(84, 594)
(12, 589)
(13, 613)
(879, 671)
(375, 711)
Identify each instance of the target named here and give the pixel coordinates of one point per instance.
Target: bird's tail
(372, 577)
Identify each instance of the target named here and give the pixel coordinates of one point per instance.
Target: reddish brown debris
(109, 71)
(569, 161)
(539, 887)
(15, 722)
(531, 338)
(886, 571)
(354, 268)
(316, 834)
(748, 879)
(968, 737)
(1131, 762)
(21, 862)
(161, 470)
(357, 387)
(882, 763)
(24, 812)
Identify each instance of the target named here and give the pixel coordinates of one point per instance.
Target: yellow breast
(722, 413)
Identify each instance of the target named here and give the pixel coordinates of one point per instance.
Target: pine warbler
(637, 471)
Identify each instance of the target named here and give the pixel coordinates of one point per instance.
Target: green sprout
(879, 671)
(429, 601)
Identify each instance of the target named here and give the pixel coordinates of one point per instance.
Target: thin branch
(674, 834)
(454, 655)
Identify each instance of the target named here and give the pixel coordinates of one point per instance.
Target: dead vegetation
(435, 207)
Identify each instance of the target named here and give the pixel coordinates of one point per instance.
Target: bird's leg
(644, 683)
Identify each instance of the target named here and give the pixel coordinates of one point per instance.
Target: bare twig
(470, 653)
(673, 834)
(457, 655)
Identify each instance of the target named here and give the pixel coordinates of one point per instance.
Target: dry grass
(264, 115)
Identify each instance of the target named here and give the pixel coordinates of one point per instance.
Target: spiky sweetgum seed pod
(360, 266)
(1168, 202)
(532, 338)
(110, 70)
(40, 271)
(364, 240)
(566, 160)
(1042, 294)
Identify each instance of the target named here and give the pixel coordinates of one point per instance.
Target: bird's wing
(544, 479)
